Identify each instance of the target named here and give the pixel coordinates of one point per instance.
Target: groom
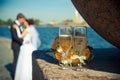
(37, 73)
(16, 42)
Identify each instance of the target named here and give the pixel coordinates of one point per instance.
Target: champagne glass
(65, 43)
(80, 40)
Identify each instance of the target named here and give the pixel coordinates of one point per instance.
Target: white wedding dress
(24, 64)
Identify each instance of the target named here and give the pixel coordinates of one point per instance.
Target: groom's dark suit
(15, 45)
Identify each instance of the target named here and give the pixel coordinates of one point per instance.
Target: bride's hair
(30, 21)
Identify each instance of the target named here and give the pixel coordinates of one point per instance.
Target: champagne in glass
(65, 42)
(80, 41)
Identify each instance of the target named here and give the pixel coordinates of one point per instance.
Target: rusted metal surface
(103, 16)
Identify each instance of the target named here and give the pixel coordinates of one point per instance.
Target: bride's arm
(23, 33)
(18, 32)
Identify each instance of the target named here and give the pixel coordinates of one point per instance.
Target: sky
(44, 10)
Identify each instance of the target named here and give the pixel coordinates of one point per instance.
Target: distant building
(76, 16)
(78, 20)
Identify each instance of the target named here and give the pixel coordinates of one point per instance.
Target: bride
(30, 43)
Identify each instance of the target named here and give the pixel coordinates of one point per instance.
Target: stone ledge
(52, 72)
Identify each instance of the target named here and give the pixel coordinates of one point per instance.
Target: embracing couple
(25, 41)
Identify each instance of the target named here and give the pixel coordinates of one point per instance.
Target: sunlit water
(48, 34)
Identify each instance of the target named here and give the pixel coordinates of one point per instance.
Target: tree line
(10, 21)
